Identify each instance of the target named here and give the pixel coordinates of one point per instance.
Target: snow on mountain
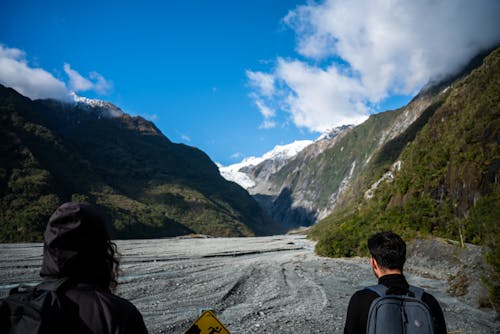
(232, 173)
(275, 159)
(235, 172)
(332, 133)
(284, 152)
(105, 108)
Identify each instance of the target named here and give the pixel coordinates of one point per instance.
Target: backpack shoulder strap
(417, 292)
(55, 285)
(22, 288)
(379, 289)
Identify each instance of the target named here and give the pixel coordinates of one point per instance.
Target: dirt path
(255, 285)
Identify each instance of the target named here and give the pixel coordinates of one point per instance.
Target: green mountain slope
(328, 174)
(448, 181)
(149, 187)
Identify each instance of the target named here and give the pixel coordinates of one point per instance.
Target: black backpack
(398, 314)
(38, 309)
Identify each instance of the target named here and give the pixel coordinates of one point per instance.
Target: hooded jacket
(75, 245)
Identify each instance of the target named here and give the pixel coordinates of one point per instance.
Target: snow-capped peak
(278, 153)
(106, 109)
(274, 159)
(288, 151)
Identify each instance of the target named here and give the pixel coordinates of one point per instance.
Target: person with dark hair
(388, 255)
(78, 247)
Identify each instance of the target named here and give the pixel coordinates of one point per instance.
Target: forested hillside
(52, 152)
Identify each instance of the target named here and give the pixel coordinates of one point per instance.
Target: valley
(270, 284)
(259, 146)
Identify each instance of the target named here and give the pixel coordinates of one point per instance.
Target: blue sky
(236, 78)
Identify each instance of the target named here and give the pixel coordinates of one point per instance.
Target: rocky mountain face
(265, 172)
(440, 176)
(263, 177)
(308, 186)
(53, 151)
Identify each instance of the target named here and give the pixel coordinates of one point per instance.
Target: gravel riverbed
(254, 285)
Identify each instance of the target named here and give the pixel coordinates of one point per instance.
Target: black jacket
(359, 305)
(91, 309)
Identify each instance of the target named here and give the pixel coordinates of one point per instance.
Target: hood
(75, 243)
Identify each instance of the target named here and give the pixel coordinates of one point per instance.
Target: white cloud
(96, 82)
(237, 155)
(370, 50)
(264, 83)
(101, 85)
(37, 83)
(267, 124)
(34, 83)
(264, 110)
(318, 99)
(76, 81)
(267, 112)
(397, 45)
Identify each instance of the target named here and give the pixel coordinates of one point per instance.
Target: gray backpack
(399, 314)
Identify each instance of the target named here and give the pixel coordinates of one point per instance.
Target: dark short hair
(388, 249)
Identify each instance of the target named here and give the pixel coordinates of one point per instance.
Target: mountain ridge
(148, 186)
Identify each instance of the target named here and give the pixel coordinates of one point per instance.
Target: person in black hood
(78, 247)
(388, 255)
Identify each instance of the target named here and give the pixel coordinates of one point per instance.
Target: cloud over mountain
(354, 54)
(33, 82)
(94, 82)
(37, 83)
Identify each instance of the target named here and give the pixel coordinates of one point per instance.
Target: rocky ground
(254, 285)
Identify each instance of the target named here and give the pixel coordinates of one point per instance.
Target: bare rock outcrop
(463, 268)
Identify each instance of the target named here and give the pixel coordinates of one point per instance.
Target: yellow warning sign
(207, 323)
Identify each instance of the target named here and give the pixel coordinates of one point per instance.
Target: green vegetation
(148, 186)
(449, 182)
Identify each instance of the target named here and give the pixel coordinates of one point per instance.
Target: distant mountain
(241, 172)
(301, 189)
(53, 151)
(271, 178)
(319, 183)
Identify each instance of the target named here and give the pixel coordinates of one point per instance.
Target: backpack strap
(55, 285)
(418, 293)
(22, 288)
(379, 289)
